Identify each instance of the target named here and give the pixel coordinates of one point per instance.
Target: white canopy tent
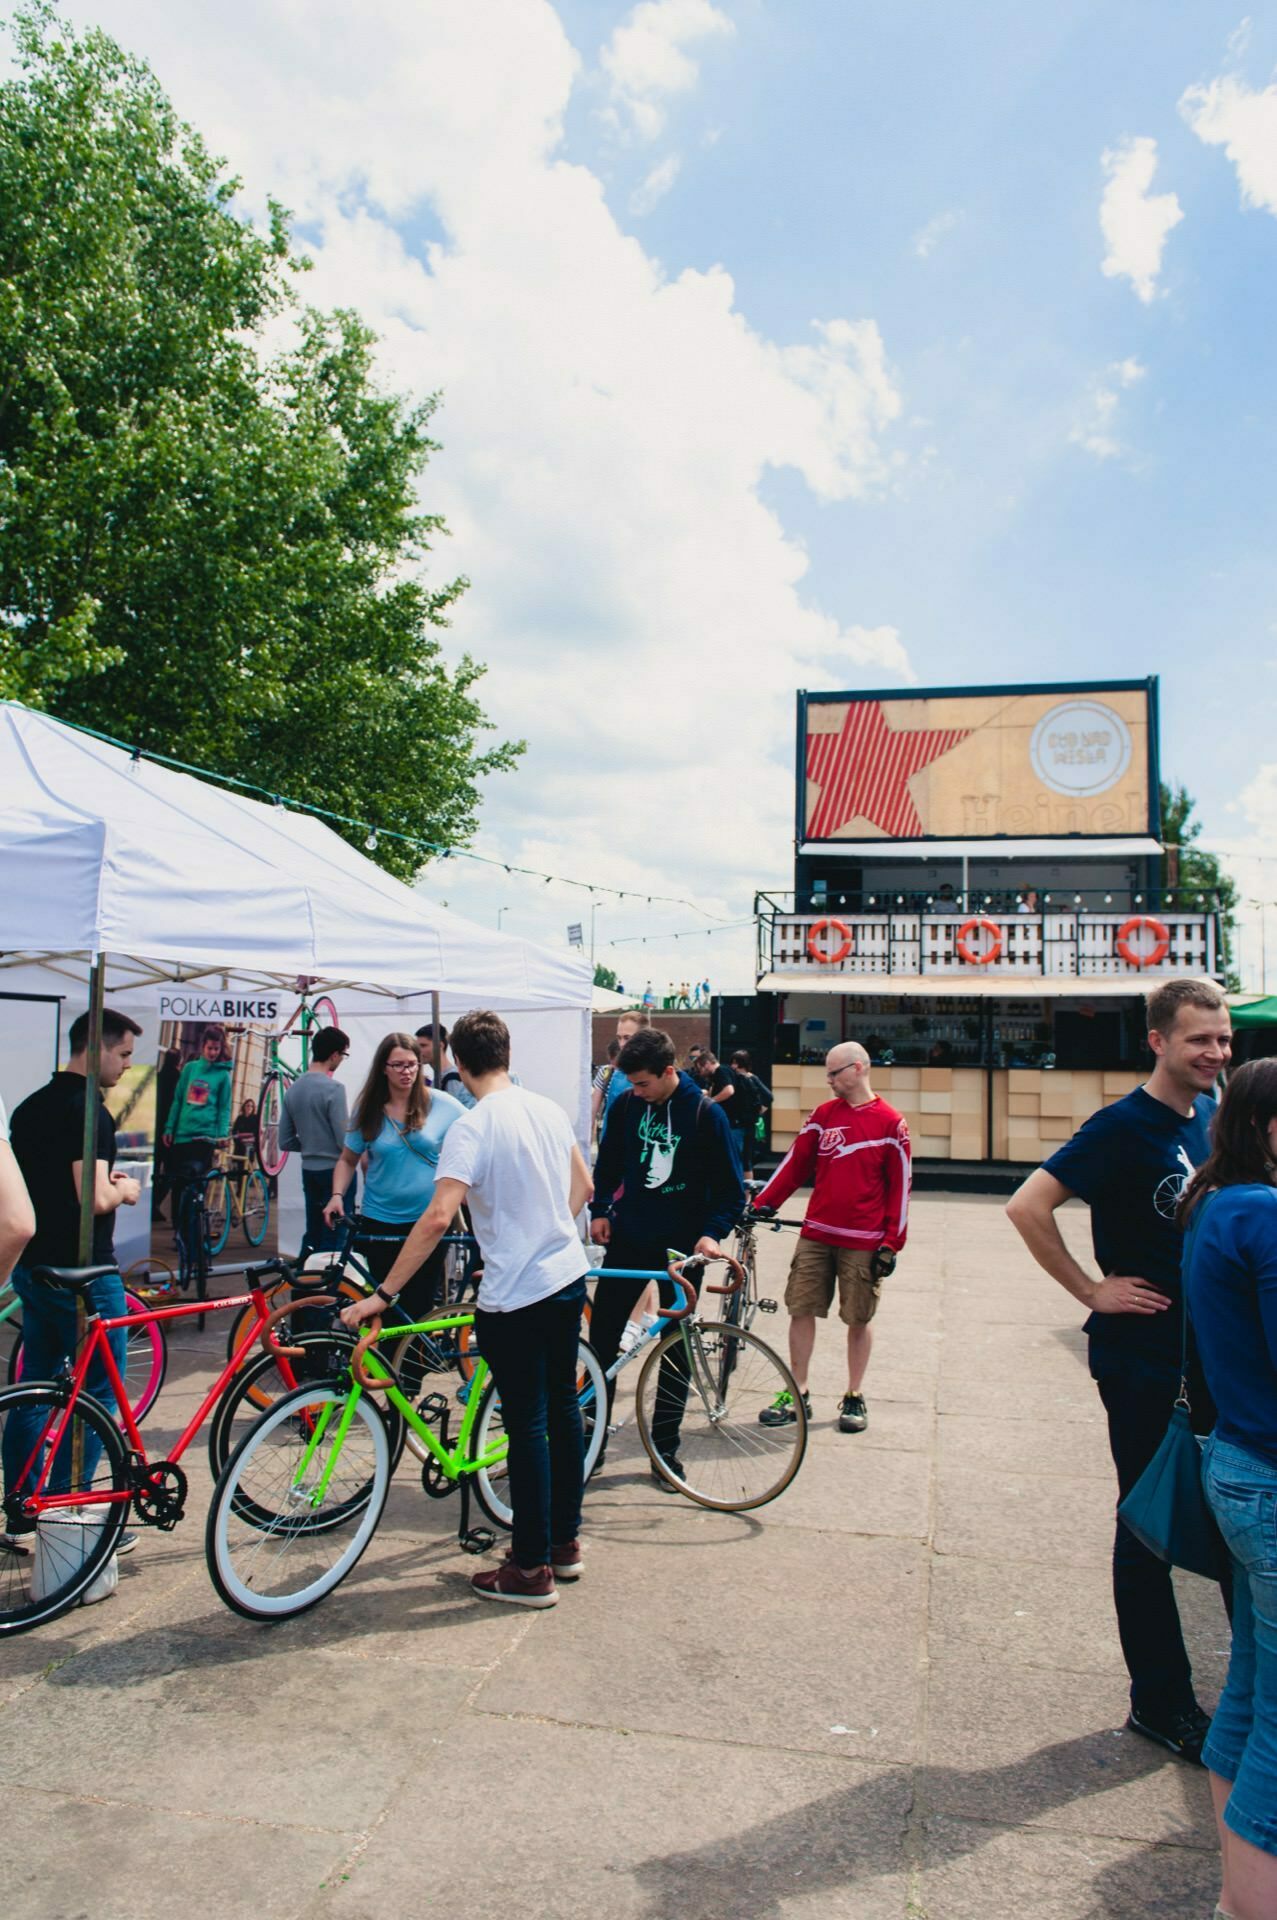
(166, 878)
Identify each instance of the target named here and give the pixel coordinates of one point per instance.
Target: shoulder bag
(1167, 1509)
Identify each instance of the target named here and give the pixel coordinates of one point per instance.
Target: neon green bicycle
(303, 1493)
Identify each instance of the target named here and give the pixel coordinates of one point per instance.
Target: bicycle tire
(730, 1463)
(323, 1013)
(271, 1157)
(217, 1215)
(20, 1607)
(255, 1218)
(147, 1347)
(491, 1483)
(275, 1571)
(260, 1382)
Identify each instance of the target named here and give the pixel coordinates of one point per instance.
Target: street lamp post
(500, 911)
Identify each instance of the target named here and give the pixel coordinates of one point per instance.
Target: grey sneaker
(781, 1412)
(853, 1415)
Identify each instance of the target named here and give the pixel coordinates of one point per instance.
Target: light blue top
(400, 1182)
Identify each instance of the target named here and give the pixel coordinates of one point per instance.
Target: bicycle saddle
(71, 1279)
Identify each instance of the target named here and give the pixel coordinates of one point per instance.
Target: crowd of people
(673, 1146)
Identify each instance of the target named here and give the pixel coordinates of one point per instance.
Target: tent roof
(102, 853)
(1254, 1013)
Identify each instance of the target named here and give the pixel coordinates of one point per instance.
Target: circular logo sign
(1080, 747)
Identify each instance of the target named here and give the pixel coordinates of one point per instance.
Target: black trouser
(614, 1302)
(1139, 1409)
(532, 1354)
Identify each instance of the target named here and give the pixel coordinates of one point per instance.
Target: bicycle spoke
(704, 1409)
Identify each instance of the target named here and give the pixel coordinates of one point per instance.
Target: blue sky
(778, 349)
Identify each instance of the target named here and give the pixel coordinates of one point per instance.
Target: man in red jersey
(854, 1153)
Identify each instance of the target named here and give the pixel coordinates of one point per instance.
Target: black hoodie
(677, 1165)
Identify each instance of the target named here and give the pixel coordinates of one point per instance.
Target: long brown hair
(1239, 1153)
(374, 1095)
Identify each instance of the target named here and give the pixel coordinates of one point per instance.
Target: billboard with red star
(979, 763)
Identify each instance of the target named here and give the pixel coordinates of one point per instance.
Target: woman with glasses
(398, 1127)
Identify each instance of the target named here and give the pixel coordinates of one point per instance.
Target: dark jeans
(1138, 1410)
(532, 1354)
(614, 1301)
(48, 1341)
(317, 1186)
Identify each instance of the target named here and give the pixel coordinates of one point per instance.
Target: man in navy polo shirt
(1131, 1162)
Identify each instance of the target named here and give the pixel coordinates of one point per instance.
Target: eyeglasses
(402, 1066)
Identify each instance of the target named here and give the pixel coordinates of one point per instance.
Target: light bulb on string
(371, 841)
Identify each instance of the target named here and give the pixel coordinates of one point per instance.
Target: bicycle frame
(98, 1330)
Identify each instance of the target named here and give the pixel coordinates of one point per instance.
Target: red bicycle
(71, 1476)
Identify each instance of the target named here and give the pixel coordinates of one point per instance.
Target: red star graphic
(863, 772)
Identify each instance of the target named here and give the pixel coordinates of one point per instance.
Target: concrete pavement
(895, 1692)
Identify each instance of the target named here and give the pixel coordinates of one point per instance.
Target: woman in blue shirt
(399, 1123)
(1230, 1276)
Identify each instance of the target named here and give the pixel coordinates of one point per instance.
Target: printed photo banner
(1020, 763)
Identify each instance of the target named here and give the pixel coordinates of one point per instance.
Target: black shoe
(853, 1415)
(127, 1541)
(675, 1466)
(1183, 1733)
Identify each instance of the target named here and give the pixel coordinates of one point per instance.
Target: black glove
(760, 1213)
(882, 1263)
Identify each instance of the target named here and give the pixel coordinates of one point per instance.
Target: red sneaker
(515, 1586)
(567, 1563)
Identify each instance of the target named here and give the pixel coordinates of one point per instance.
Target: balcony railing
(956, 944)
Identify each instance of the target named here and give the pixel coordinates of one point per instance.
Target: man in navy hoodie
(667, 1177)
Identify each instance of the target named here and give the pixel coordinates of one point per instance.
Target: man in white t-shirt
(513, 1160)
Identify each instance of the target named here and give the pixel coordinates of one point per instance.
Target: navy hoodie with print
(676, 1165)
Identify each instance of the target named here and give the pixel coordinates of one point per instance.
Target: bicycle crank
(159, 1497)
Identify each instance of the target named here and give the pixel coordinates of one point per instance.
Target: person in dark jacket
(667, 1177)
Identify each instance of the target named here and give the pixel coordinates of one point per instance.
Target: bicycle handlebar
(366, 1340)
(738, 1272)
(272, 1320)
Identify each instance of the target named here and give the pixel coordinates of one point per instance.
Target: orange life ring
(822, 954)
(1161, 941)
(963, 943)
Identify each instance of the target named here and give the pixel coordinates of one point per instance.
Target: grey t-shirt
(313, 1122)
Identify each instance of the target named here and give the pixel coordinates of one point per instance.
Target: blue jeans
(317, 1186)
(1242, 1743)
(48, 1342)
(532, 1354)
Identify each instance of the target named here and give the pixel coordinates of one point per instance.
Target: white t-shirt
(514, 1152)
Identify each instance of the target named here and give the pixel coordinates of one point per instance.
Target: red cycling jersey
(856, 1160)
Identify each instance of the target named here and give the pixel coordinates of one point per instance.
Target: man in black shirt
(47, 1136)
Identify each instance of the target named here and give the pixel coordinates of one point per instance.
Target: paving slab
(670, 1830)
(1057, 1618)
(973, 1871)
(988, 1515)
(1042, 1447)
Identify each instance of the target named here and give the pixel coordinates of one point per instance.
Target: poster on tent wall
(205, 1117)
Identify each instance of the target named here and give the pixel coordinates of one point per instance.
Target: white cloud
(928, 238)
(1243, 121)
(1134, 221)
(646, 60)
(654, 188)
(1095, 431)
(605, 431)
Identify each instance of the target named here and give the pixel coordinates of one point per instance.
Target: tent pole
(436, 1044)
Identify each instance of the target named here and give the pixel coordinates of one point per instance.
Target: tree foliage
(208, 548)
(604, 977)
(1192, 875)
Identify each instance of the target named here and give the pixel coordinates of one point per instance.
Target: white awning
(981, 986)
(992, 851)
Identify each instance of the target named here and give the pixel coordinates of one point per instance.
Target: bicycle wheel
(324, 1013)
(256, 1215)
(276, 1543)
(270, 1106)
(709, 1411)
(217, 1215)
(69, 1546)
(262, 1381)
(492, 1483)
(145, 1359)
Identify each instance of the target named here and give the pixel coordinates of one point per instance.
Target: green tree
(207, 548)
(604, 977)
(1192, 876)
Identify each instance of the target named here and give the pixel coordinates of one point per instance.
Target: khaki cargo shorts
(812, 1273)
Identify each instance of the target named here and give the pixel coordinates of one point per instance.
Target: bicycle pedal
(433, 1408)
(768, 1306)
(477, 1540)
